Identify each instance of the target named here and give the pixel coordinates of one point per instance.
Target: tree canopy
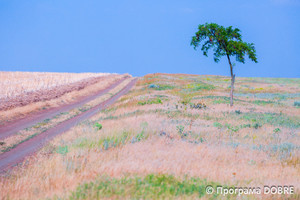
(224, 41)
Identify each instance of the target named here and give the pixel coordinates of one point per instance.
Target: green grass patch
(297, 104)
(104, 142)
(200, 86)
(232, 127)
(108, 142)
(263, 103)
(219, 99)
(63, 150)
(98, 126)
(272, 118)
(149, 187)
(150, 101)
(162, 87)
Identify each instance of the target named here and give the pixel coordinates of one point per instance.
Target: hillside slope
(170, 137)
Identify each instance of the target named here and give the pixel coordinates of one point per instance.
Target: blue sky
(143, 36)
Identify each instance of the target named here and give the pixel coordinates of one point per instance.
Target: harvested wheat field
(22, 93)
(166, 136)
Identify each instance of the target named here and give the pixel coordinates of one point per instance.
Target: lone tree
(225, 42)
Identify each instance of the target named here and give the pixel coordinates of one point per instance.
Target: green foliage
(109, 110)
(104, 142)
(140, 136)
(246, 126)
(150, 101)
(261, 102)
(108, 142)
(63, 150)
(232, 128)
(180, 130)
(224, 42)
(297, 103)
(221, 101)
(153, 86)
(186, 98)
(237, 112)
(276, 130)
(200, 86)
(161, 87)
(149, 187)
(222, 98)
(272, 118)
(217, 125)
(113, 141)
(257, 125)
(98, 126)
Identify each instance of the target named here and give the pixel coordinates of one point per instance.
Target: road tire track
(11, 158)
(15, 126)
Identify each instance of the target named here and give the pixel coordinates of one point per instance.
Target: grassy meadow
(170, 137)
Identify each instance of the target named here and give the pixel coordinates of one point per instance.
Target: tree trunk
(232, 81)
(231, 89)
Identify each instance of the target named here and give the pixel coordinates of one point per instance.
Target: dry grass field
(12, 141)
(170, 137)
(18, 83)
(22, 93)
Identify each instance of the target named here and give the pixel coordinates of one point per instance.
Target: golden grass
(12, 141)
(17, 83)
(20, 112)
(220, 145)
(158, 154)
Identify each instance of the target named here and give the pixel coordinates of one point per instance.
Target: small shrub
(153, 86)
(297, 103)
(238, 112)
(217, 125)
(113, 141)
(63, 150)
(180, 130)
(186, 98)
(276, 130)
(98, 126)
(232, 128)
(198, 105)
(140, 136)
(246, 126)
(257, 125)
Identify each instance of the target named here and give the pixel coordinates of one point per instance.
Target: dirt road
(15, 126)
(19, 153)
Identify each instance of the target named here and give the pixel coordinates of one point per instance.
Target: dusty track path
(15, 126)
(18, 154)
